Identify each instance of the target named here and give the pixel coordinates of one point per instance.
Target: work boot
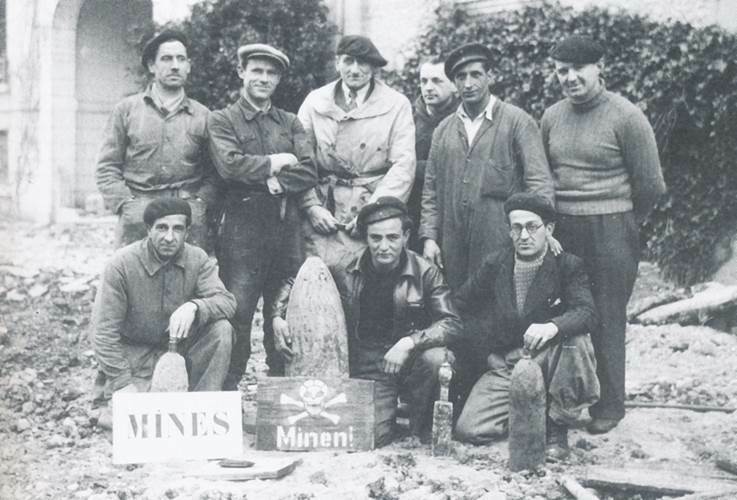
(601, 425)
(556, 442)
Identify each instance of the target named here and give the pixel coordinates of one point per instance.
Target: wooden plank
(675, 406)
(644, 479)
(304, 413)
(263, 468)
(715, 298)
(575, 489)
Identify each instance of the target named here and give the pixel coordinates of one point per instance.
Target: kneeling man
(406, 318)
(541, 303)
(156, 288)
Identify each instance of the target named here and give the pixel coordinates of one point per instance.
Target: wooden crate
(306, 413)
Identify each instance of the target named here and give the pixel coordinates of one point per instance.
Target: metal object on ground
(442, 415)
(526, 415)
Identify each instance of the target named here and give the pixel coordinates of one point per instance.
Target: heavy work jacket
(241, 140)
(422, 303)
(559, 294)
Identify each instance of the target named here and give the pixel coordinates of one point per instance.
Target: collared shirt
(138, 294)
(361, 94)
(146, 149)
(472, 125)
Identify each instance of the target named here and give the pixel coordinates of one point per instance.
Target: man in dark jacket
(438, 98)
(541, 303)
(406, 318)
(263, 156)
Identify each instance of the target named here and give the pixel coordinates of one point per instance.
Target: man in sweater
(607, 174)
(542, 303)
(480, 155)
(438, 99)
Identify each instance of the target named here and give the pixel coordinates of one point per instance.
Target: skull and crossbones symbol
(313, 394)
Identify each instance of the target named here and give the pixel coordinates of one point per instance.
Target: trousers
(206, 353)
(569, 371)
(610, 247)
(418, 380)
(257, 250)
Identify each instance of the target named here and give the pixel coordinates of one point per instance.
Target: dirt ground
(52, 448)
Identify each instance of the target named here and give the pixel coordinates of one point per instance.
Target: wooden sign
(305, 413)
(157, 427)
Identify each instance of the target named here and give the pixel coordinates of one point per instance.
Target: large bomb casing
(170, 373)
(316, 324)
(526, 416)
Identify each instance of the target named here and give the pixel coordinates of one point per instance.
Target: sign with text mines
(305, 413)
(161, 426)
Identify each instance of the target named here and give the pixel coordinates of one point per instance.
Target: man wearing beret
(542, 304)
(156, 145)
(362, 137)
(480, 155)
(405, 323)
(263, 156)
(438, 98)
(160, 288)
(602, 151)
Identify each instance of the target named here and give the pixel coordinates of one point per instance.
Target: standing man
(399, 316)
(154, 289)
(262, 154)
(438, 98)
(362, 136)
(156, 145)
(542, 303)
(607, 179)
(480, 155)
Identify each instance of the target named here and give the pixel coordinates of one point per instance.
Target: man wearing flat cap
(363, 139)
(156, 146)
(541, 304)
(603, 153)
(406, 321)
(155, 289)
(480, 155)
(263, 156)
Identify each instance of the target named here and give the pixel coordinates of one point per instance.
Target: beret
(362, 48)
(152, 46)
(531, 202)
(577, 49)
(246, 52)
(386, 207)
(470, 52)
(161, 207)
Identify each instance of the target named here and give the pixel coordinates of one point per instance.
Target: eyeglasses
(530, 227)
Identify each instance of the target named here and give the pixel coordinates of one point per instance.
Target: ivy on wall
(683, 78)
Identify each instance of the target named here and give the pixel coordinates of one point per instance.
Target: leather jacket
(422, 301)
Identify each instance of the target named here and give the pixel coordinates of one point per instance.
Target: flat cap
(470, 52)
(531, 202)
(577, 49)
(386, 207)
(360, 47)
(245, 52)
(161, 207)
(152, 46)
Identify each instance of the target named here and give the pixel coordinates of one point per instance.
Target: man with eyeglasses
(541, 303)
